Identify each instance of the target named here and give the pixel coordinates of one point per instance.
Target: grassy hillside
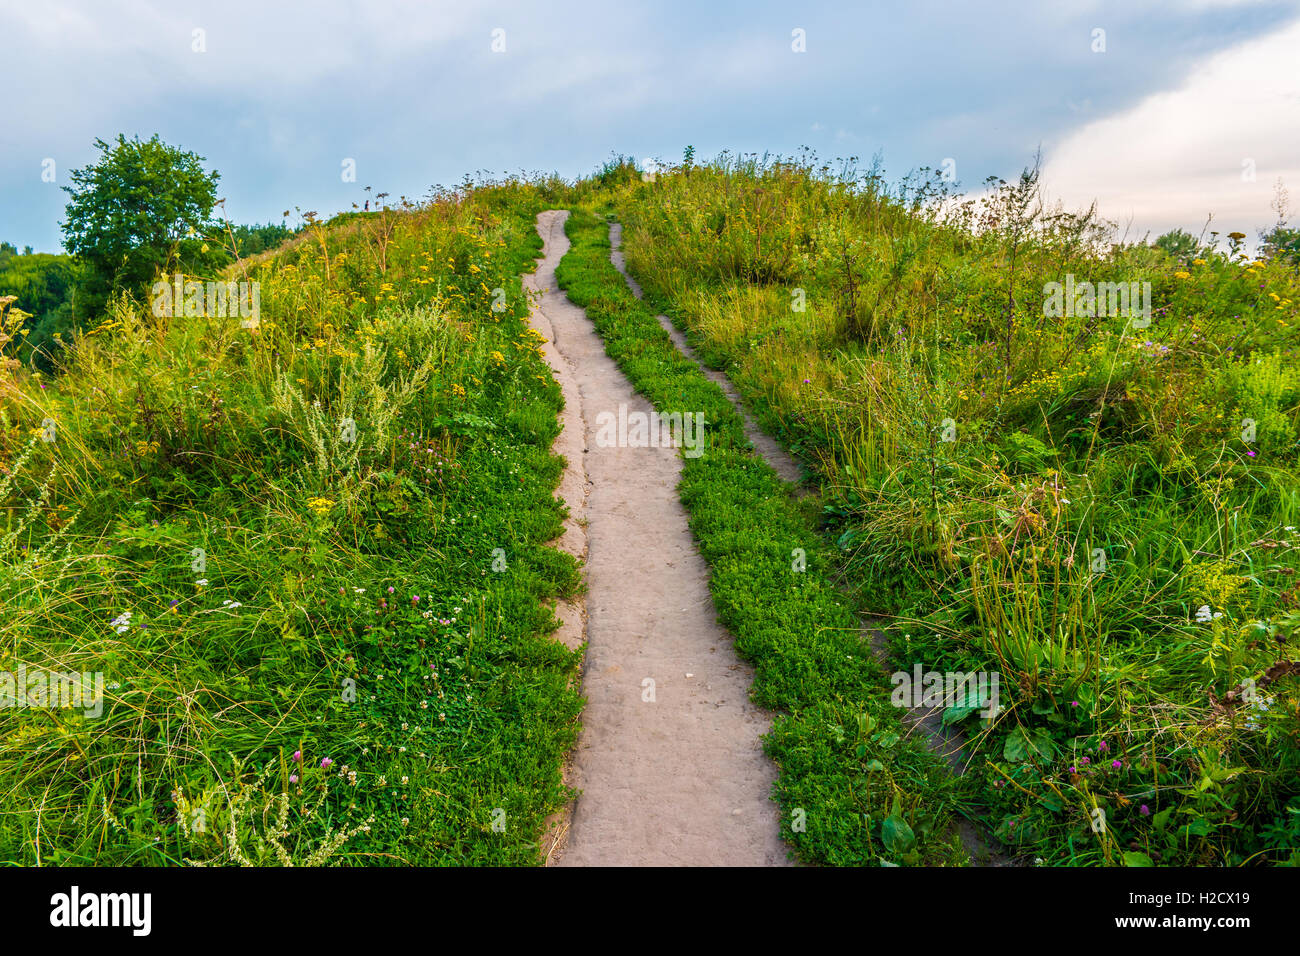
(307, 557)
(1101, 510)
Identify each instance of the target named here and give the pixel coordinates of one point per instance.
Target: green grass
(1103, 514)
(853, 788)
(377, 603)
(1101, 486)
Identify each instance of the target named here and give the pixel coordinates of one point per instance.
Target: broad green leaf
(896, 834)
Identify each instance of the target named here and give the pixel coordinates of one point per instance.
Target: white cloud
(1178, 156)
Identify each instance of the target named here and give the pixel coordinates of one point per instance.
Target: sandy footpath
(669, 762)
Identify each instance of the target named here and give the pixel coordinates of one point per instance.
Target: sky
(1164, 113)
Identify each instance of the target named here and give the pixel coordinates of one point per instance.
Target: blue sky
(1192, 108)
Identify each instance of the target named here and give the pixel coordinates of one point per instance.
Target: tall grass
(1100, 509)
(277, 545)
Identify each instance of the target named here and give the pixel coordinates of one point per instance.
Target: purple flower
(1074, 770)
(297, 756)
(1115, 765)
(1074, 703)
(1085, 760)
(325, 763)
(1144, 810)
(1102, 746)
(293, 778)
(1251, 454)
(390, 590)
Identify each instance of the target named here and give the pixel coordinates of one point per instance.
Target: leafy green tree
(1179, 244)
(143, 209)
(46, 287)
(41, 281)
(1282, 243)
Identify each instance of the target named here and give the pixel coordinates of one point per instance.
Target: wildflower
(293, 778)
(1180, 274)
(297, 756)
(1086, 760)
(1144, 810)
(1116, 764)
(325, 763)
(320, 505)
(1103, 746)
(201, 582)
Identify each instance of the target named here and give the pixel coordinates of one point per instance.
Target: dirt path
(679, 779)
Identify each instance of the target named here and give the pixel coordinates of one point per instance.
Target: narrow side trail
(676, 776)
(768, 448)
